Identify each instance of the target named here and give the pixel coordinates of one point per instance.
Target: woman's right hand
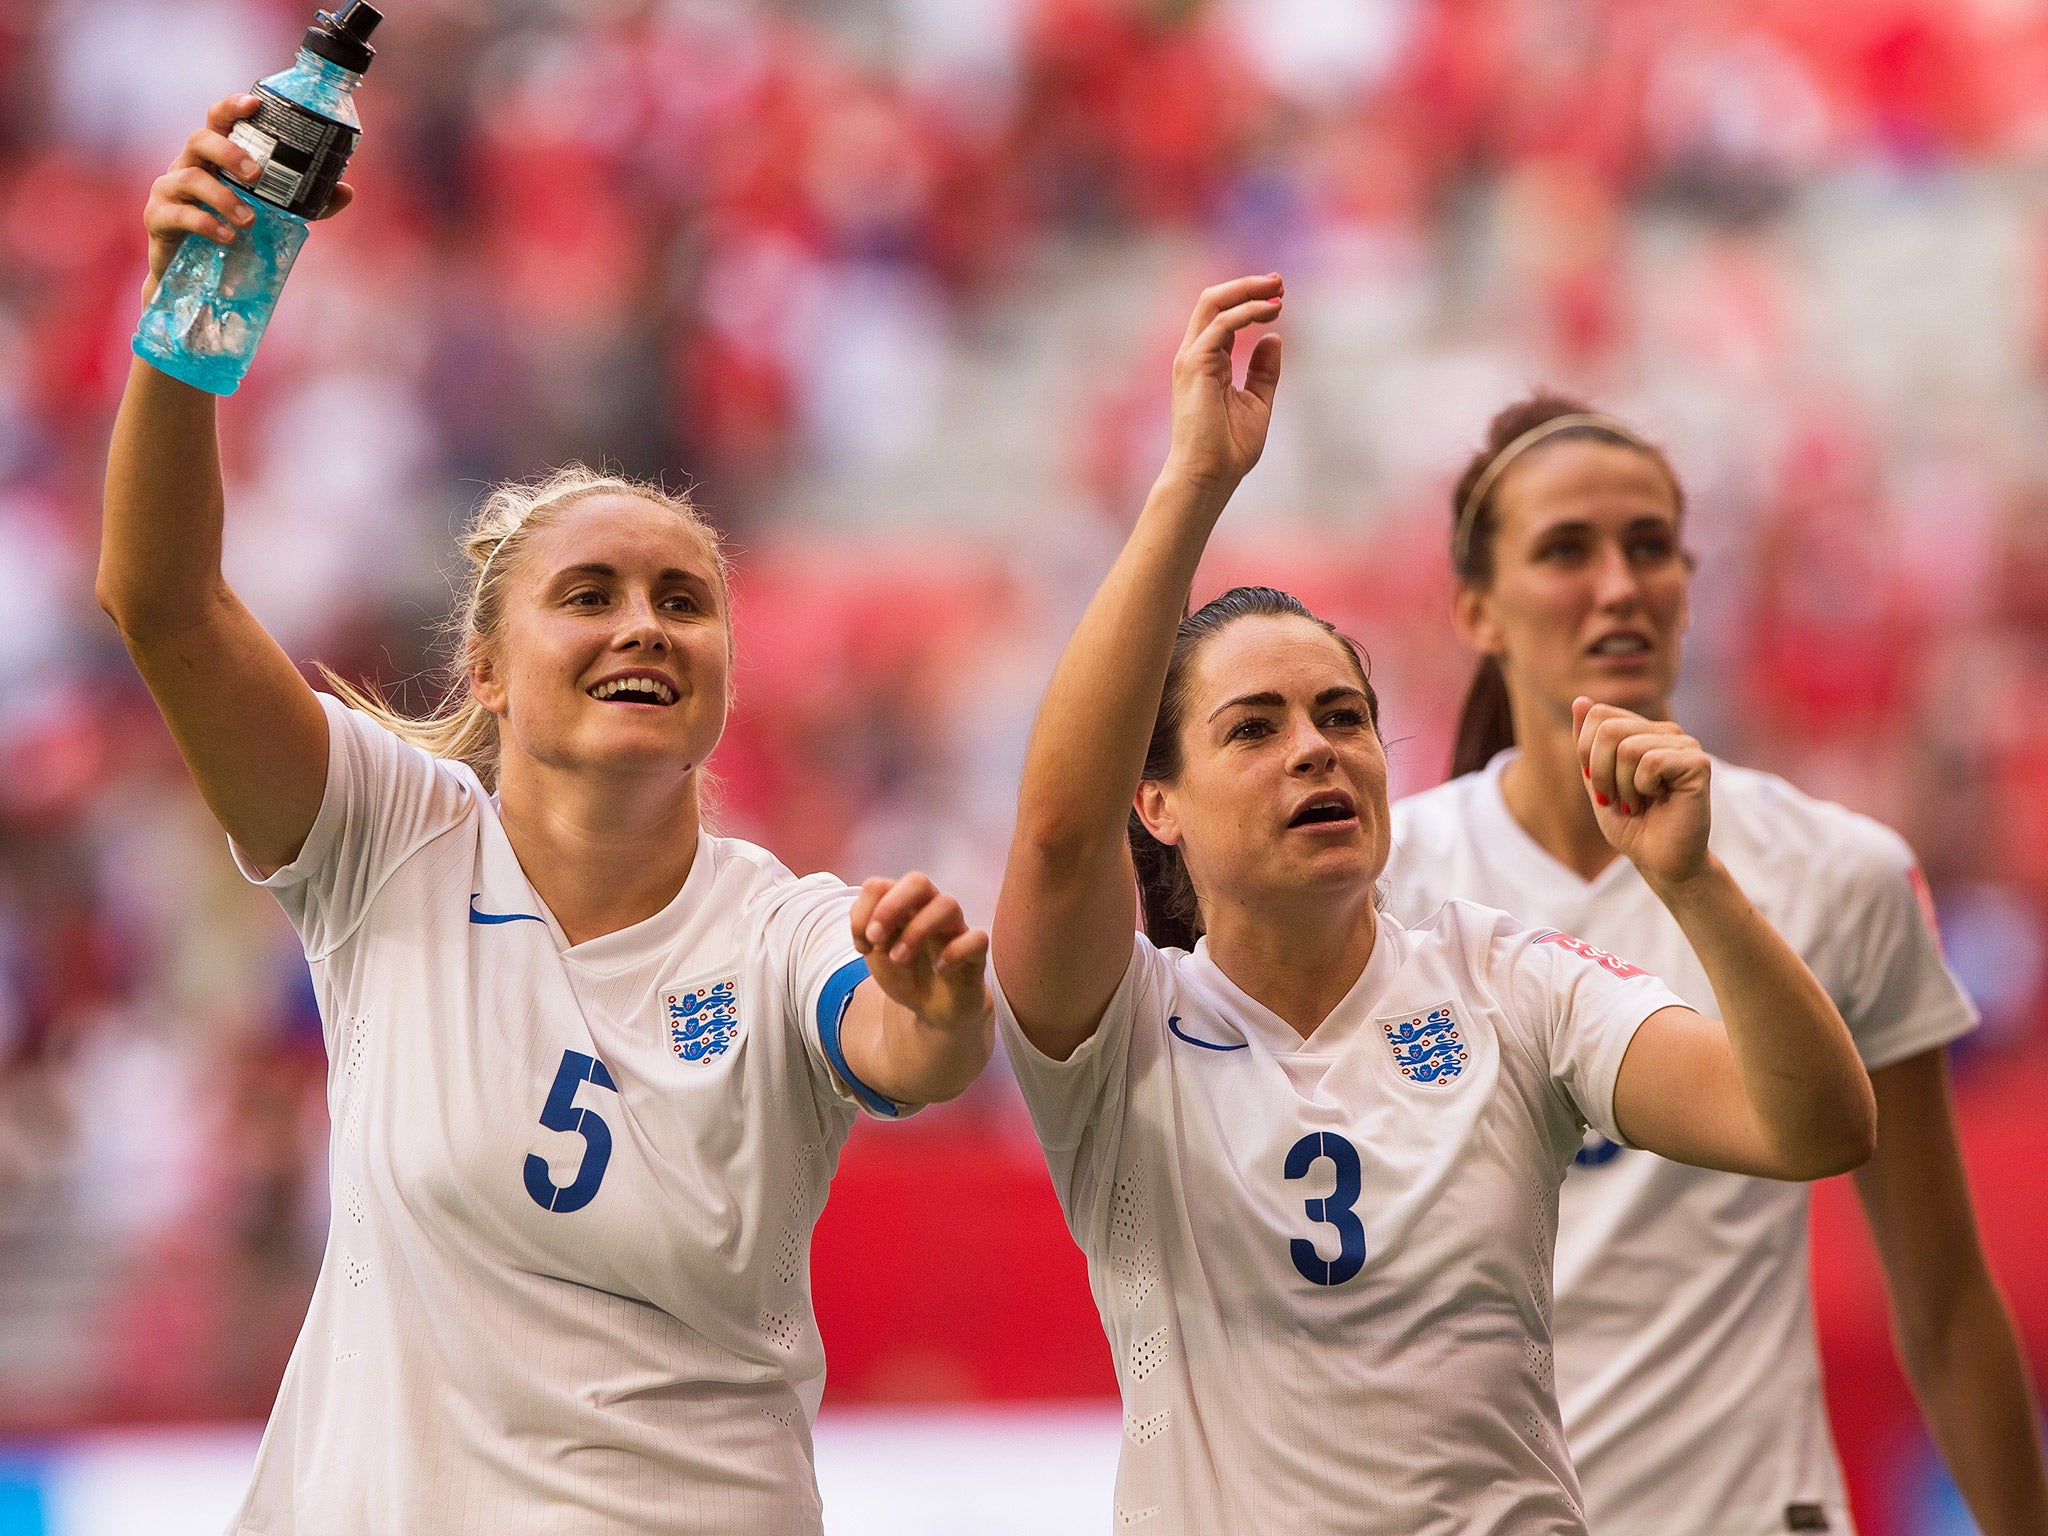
(1219, 430)
(189, 199)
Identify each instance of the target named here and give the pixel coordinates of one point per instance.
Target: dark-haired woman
(1686, 1361)
(1314, 1162)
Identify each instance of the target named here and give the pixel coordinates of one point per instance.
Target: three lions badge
(703, 1021)
(1427, 1047)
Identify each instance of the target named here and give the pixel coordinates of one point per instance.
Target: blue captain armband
(832, 1005)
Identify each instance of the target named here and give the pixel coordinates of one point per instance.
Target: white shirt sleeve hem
(1608, 1067)
(1115, 1015)
(326, 828)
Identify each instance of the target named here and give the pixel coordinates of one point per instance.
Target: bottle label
(300, 155)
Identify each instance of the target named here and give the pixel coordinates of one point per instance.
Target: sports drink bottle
(214, 301)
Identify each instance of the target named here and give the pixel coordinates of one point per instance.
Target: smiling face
(612, 651)
(1589, 581)
(1282, 788)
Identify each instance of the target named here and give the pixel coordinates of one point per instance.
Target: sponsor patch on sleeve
(1599, 957)
(1924, 894)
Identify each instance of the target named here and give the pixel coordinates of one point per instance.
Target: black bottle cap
(343, 37)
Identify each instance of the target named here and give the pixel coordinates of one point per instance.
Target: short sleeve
(1078, 1105)
(808, 929)
(1592, 1003)
(383, 800)
(1899, 998)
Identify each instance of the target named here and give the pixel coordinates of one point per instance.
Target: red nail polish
(1625, 810)
(1586, 769)
(1598, 798)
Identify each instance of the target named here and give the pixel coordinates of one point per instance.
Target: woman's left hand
(1219, 430)
(921, 952)
(1649, 785)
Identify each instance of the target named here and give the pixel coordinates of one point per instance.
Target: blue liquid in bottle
(214, 302)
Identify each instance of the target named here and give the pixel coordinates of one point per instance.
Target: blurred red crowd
(632, 232)
(641, 195)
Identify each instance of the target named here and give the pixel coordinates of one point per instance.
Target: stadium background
(894, 283)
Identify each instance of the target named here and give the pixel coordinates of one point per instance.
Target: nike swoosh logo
(497, 917)
(1173, 1023)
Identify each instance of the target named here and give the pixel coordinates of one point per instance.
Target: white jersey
(1686, 1360)
(1324, 1264)
(566, 1286)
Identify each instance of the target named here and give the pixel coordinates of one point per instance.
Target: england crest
(703, 1020)
(1427, 1047)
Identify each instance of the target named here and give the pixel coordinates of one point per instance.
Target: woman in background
(1686, 1359)
(590, 1067)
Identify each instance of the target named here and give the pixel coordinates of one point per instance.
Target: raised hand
(189, 199)
(1219, 429)
(1649, 785)
(921, 952)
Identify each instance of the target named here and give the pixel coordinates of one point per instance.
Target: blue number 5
(1333, 1210)
(561, 1114)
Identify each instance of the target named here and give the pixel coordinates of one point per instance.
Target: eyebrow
(610, 573)
(1275, 701)
(1660, 520)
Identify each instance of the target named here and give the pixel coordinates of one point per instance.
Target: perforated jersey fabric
(566, 1286)
(1323, 1265)
(1687, 1365)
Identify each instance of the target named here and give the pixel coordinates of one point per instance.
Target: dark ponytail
(1173, 916)
(1486, 721)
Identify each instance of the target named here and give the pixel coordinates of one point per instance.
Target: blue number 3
(1333, 1209)
(561, 1114)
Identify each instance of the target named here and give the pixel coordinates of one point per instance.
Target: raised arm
(1775, 1088)
(1067, 914)
(248, 724)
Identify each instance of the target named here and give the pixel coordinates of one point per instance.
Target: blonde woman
(591, 1067)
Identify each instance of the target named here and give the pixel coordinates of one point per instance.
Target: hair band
(1461, 536)
(483, 572)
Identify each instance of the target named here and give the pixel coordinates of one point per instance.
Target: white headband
(1461, 536)
(484, 572)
